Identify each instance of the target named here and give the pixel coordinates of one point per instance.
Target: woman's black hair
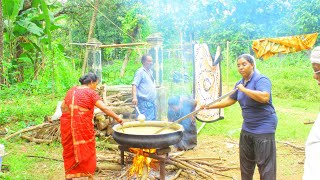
(247, 57)
(88, 78)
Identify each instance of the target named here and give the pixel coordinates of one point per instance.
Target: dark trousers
(260, 150)
(148, 108)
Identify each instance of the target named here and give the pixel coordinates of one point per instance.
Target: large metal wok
(149, 140)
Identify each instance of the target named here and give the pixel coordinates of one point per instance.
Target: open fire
(142, 162)
(145, 159)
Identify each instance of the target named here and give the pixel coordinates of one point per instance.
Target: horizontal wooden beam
(111, 45)
(124, 45)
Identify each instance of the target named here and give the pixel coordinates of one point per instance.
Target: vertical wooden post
(156, 51)
(90, 34)
(227, 66)
(94, 58)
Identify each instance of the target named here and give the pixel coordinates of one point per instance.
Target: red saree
(77, 133)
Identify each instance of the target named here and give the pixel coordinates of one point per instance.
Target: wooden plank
(123, 45)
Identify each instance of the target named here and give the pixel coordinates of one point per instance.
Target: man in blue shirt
(257, 141)
(144, 89)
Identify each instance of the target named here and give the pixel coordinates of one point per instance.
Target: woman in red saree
(77, 129)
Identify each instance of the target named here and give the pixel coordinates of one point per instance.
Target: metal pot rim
(150, 140)
(118, 127)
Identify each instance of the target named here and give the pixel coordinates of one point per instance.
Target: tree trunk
(91, 31)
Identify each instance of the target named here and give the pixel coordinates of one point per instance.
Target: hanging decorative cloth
(207, 81)
(268, 47)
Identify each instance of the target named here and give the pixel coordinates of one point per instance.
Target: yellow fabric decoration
(268, 47)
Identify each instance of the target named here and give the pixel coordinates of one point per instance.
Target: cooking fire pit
(141, 135)
(160, 154)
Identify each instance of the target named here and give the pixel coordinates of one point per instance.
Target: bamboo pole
(227, 65)
(125, 63)
(90, 34)
(123, 45)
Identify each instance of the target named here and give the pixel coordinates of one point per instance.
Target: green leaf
(47, 18)
(60, 47)
(18, 31)
(35, 3)
(31, 27)
(54, 27)
(11, 8)
(27, 46)
(24, 58)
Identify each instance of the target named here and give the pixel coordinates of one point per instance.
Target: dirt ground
(290, 160)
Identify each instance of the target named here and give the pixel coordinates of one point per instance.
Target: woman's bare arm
(108, 112)
(259, 96)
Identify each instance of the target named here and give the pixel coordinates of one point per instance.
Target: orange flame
(141, 158)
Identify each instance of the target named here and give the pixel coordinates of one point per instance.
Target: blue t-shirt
(146, 87)
(259, 118)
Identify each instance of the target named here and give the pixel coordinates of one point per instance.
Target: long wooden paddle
(196, 111)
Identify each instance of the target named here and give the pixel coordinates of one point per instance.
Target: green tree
(27, 31)
(306, 16)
